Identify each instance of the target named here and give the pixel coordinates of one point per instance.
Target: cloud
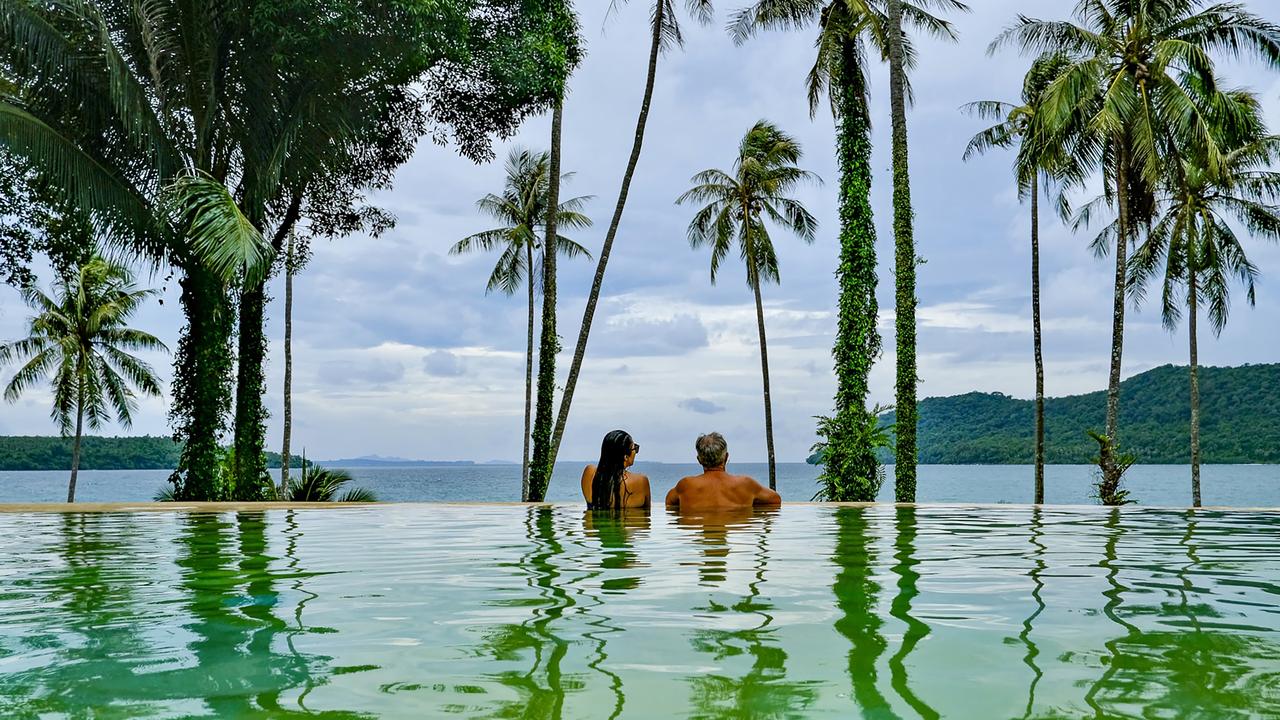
(643, 337)
(372, 372)
(702, 406)
(442, 363)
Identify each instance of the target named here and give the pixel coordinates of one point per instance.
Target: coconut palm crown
(79, 337)
(739, 207)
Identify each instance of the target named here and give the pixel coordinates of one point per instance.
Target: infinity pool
(550, 612)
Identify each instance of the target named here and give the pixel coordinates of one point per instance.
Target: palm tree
(549, 340)
(665, 34)
(905, 259)
(739, 206)
(522, 208)
(79, 337)
(845, 27)
(1130, 88)
(1015, 127)
(1192, 238)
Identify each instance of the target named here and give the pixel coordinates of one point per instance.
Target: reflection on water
(742, 630)
(543, 612)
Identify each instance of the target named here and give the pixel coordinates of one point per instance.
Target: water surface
(552, 612)
(1161, 485)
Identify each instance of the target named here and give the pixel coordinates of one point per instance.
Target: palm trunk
(249, 438)
(764, 373)
(549, 343)
(580, 350)
(528, 380)
(288, 369)
(1195, 392)
(1035, 330)
(851, 470)
(201, 384)
(75, 448)
(904, 270)
(1111, 470)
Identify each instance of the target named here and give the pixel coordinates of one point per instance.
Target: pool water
(421, 611)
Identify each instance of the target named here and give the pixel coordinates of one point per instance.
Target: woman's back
(634, 490)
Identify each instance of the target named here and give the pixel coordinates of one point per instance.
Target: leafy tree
(1015, 127)
(739, 207)
(1192, 244)
(79, 337)
(1141, 81)
(346, 114)
(147, 115)
(522, 208)
(665, 34)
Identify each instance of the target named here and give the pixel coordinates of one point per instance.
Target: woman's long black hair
(606, 486)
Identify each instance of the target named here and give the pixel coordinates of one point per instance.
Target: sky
(399, 352)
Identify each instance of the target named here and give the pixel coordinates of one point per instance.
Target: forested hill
(98, 453)
(1239, 421)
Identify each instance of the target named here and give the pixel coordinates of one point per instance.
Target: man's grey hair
(712, 450)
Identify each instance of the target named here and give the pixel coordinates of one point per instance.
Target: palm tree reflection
(857, 594)
(84, 612)
(541, 688)
(1036, 574)
(763, 690)
(900, 608)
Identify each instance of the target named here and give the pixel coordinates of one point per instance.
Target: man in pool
(716, 489)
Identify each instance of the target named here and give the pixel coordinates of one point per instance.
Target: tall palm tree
(665, 34)
(845, 28)
(1015, 128)
(740, 204)
(79, 337)
(905, 259)
(1130, 88)
(543, 463)
(522, 207)
(1193, 245)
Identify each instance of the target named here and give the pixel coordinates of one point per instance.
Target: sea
(1150, 485)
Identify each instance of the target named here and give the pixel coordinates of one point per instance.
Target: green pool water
(541, 612)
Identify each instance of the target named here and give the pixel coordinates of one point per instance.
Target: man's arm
(673, 496)
(765, 496)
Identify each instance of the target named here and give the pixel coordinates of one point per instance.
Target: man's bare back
(716, 489)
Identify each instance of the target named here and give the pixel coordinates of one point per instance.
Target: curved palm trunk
(904, 270)
(288, 369)
(580, 350)
(1111, 470)
(528, 381)
(1035, 329)
(764, 373)
(75, 448)
(549, 343)
(1195, 392)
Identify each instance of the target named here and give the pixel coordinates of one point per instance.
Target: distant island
(149, 452)
(144, 452)
(1239, 421)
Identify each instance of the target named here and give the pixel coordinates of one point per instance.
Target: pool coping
(118, 507)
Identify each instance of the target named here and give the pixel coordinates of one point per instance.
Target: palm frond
(220, 235)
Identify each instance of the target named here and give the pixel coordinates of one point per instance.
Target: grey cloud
(347, 372)
(443, 363)
(651, 338)
(701, 405)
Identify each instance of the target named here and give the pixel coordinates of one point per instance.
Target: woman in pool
(608, 485)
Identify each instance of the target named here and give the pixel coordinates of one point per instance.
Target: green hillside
(1239, 422)
(98, 453)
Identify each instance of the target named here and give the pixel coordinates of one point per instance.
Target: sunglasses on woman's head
(635, 448)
